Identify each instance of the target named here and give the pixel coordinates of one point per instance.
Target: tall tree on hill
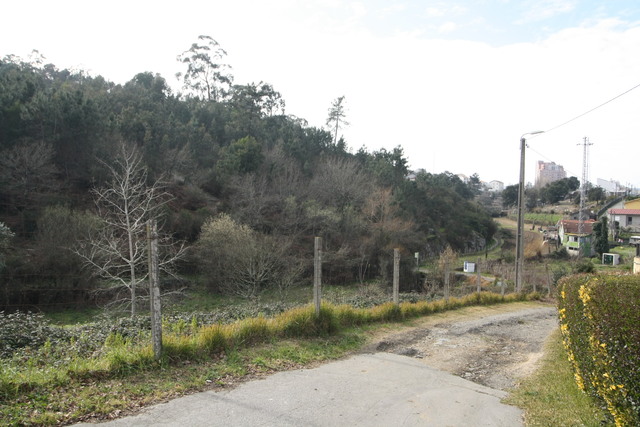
(206, 74)
(337, 117)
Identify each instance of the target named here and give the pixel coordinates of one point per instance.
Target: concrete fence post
(154, 289)
(396, 276)
(317, 274)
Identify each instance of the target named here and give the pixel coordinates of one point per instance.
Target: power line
(591, 110)
(576, 118)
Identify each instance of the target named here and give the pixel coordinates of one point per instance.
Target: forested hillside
(244, 186)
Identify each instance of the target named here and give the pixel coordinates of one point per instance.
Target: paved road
(378, 389)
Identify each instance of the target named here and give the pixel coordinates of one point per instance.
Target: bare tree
(117, 250)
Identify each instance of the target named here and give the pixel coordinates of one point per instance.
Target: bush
(237, 260)
(584, 266)
(561, 253)
(599, 318)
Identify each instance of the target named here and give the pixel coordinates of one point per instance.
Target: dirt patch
(492, 346)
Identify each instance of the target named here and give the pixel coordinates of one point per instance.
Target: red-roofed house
(577, 243)
(626, 218)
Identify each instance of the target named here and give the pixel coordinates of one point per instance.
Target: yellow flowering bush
(600, 324)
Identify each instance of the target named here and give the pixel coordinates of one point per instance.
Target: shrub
(584, 266)
(599, 318)
(561, 253)
(241, 261)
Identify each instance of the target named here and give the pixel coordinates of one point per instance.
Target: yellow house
(632, 204)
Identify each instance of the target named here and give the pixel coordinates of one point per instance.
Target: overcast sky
(455, 83)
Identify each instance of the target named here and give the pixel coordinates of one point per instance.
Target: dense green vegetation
(599, 320)
(550, 194)
(216, 148)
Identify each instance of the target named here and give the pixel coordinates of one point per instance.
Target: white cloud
(434, 12)
(539, 10)
(447, 27)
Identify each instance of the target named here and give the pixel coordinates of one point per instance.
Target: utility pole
(520, 225)
(520, 233)
(583, 192)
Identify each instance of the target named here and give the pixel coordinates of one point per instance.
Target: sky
(455, 83)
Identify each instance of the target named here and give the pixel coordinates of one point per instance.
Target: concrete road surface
(378, 389)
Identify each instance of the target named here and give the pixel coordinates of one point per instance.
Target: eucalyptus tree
(207, 75)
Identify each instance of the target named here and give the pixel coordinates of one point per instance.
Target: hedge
(600, 324)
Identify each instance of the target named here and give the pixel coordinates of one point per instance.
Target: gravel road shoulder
(492, 346)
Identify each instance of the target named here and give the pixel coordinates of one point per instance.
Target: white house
(625, 218)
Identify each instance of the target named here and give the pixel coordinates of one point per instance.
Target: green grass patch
(550, 397)
(543, 219)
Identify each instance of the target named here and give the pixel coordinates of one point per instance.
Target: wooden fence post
(396, 276)
(479, 288)
(317, 274)
(154, 289)
(546, 268)
(446, 281)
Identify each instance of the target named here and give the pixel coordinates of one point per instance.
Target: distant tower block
(548, 172)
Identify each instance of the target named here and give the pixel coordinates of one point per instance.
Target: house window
(629, 220)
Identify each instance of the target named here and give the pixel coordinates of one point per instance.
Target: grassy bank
(550, 397)
(52, 385)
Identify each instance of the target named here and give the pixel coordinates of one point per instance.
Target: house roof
(624, 211)
(571, 226)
